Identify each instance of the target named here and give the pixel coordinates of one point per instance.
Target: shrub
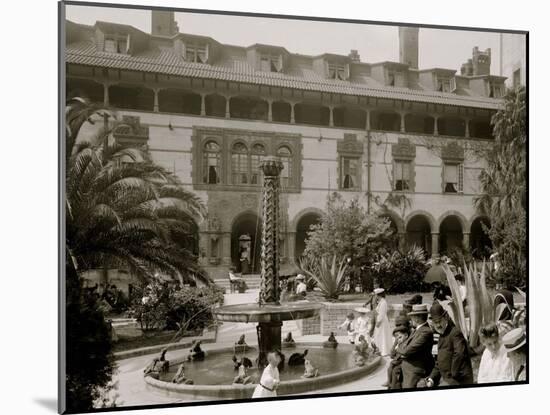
(401, 272)
(164, 306)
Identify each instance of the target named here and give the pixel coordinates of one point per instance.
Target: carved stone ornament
(350, 145)
(130, 131)
(403, 149)
(249, 200)
(214, 224)
(452, 151)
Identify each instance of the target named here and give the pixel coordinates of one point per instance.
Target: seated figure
(331, 342)
(180, 377)
(240, 345)
(164, 364)
(153, 369)
(243, 361)
(361, 351)
(297, 359)
(310, 371)
(196, 353)
(288, 341)
(242, 377)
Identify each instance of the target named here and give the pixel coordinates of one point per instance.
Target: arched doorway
(480, 243)
(419, 233)
(247, 225)
(450, 235)
(302, 228)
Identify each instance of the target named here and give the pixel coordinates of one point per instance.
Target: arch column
(106, 86)
(367, 120)
(331, 116)
(291, 244)
(436, 130)
(466, 240)
(402, 119)
(156, 99)
(269, 110)
(467, 129)
(402, 241)
(292, 118)
(203, 104)
(435, 244)
(226, 248)
(227, 110)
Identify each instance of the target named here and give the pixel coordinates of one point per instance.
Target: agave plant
(329, 277)
(479, 302)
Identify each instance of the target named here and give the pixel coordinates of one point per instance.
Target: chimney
(354, 56)
(467, 69)
(408, 46)
(481, 61)
(163, 23)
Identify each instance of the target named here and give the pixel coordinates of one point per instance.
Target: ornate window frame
(350, 148)
(404, 152)
(226, 138)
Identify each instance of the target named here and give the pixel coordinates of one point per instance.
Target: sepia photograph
(260, 207)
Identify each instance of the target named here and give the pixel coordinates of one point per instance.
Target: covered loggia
(450, 235)
(419, 233)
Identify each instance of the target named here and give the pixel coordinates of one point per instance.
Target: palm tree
(504, 185)
(135, 215)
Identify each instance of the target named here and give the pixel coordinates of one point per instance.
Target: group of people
(413, 363)
(373, 323)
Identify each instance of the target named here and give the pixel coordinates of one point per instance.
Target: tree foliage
(347, 231)
(122, 211)
(504, 188)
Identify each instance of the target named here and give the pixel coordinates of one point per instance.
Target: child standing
(349, 326)
(270, 378)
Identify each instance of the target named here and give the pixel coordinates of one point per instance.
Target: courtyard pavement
(132, 391)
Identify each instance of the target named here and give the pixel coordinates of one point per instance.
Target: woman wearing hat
(382, 331)
(515, 342)
(363, 324)
(301, 288)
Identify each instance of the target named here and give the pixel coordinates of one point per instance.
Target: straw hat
(364, 310)
(378, 291)
(418, 309)
(514, 339)
(300, 277)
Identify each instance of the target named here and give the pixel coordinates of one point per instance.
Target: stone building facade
(404, 140)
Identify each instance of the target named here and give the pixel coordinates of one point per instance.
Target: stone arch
(431, 220)
(419, 226)
(301, 226)
(463, 221)
(302, 213)
(247, 222)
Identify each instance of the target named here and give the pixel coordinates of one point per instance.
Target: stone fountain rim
(263, 313)
(296, 385)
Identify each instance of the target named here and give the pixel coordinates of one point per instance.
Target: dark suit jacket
(417, 351)
(453, 364)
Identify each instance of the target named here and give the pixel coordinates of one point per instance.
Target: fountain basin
(336, 368)
(267, 313)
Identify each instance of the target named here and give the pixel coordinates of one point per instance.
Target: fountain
(336, 366)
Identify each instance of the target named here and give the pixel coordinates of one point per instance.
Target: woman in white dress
(270, 378)
(495, 365)
(382, 331)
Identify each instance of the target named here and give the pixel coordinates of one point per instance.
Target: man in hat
(400, 333)
(453, 365)
(416, 351)
(515, 342)
(301, 288)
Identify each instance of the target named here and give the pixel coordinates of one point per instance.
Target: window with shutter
(337, 71)
(402, 175)
(349, 173)
(451, 178)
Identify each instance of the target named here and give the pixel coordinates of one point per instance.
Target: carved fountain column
(269, 332)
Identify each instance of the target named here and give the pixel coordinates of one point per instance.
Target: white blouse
(495, 368)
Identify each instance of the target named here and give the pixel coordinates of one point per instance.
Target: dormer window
(196, 52)
(338, 71)
(443, 84)
(496, 89)
(116, 43)
(271, 63)
(391, 78)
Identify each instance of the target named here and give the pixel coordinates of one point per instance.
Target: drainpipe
(368, 171)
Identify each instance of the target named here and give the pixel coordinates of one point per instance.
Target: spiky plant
(329, 276)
